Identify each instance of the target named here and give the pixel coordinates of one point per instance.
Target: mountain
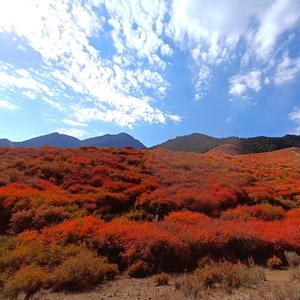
(109, 140)
(197, 142)
(53, 139)
(5, 143)
(62, 140)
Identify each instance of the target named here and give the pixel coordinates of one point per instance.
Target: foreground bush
(28, 280)
(82, 271)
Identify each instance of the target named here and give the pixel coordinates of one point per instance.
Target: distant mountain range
(197, 142)
(62, 140)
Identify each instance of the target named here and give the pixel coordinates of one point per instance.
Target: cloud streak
(6, 105)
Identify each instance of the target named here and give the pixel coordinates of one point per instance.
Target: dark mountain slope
(118, 140)
(53, 139)
(197, 142)
(5, 143)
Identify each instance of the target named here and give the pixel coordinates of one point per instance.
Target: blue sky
(154, 69)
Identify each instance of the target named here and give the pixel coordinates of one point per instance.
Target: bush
(292, 258)
(238, 275)
(27, 280)
(139, 216)
(140, 269)
(209, 276)
(264, 212)
(21, 220)
(227, 275)
(190, 287)
(161, 279)
(274, 262)
(47, 216)
(82, 271)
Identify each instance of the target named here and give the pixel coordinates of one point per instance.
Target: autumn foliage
(65, 213)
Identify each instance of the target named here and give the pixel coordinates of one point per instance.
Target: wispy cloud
(73, 123)
(8, 105)
(295, 116)
(287, 70)
(72, 132)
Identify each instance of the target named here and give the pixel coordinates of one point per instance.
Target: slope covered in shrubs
(71, 218)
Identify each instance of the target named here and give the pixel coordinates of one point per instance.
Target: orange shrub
(264, 212)
(139, 269)
(28, 280)
(82, 271)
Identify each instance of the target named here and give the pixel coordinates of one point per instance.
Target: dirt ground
(279, 285)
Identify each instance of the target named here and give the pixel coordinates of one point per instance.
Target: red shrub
(264, 212)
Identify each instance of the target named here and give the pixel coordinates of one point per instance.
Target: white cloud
(21, 78)
(4, 104)
(53, 103)
(275, 19)
(59, 30)
(165, 50)
(219, 24)
(72, 132)
(212, 30)
(202, 80)
(125, 87)
(138, 26)
(73, 123)
(287, 70)
(295, 116)
(239, 84)
(29, 94)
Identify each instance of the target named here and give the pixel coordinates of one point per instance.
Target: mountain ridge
(197, 142)
(56, 139)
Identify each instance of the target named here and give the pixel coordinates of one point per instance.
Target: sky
(154, 69)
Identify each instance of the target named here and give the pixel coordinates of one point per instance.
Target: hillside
(71, 218)
(197, 142)
(62, 140)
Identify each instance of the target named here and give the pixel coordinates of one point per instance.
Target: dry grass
(296, 273)
(292, 258)
(222, 274)
(289, 292)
